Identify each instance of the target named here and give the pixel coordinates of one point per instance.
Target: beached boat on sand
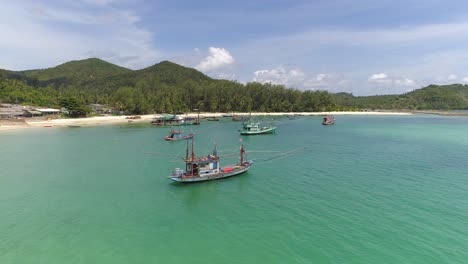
(208, 168)
(254, 128)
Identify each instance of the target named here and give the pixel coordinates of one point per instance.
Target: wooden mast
(193, 158)
(242, 151)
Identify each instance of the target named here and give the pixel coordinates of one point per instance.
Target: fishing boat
(73, 126)
(328, 120)
(206, 168)
(191, 121)
(212, 118)
(175, 135)
(237, 118)
(254, 128)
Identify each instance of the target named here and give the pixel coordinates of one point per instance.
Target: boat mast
(242, 151)
(193, 157)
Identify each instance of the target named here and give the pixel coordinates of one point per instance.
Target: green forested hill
(77, 71)
(169, 87)
(432, 97)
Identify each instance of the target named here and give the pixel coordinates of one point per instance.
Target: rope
(285, 154)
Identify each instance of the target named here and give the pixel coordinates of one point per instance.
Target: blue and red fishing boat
(206, 168)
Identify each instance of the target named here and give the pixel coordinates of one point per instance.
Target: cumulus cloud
(400, 84)
(217, 58)
(465, 79)
(297, 78)
(280, 75)
(379, 78)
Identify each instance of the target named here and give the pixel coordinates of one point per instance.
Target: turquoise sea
(370, 189)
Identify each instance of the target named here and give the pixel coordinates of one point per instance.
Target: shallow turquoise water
(367, 190)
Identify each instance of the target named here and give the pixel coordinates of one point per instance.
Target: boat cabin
(251, 126)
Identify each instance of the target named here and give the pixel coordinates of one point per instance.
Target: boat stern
(177, 175)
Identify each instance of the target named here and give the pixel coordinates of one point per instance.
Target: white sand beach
(109, 120)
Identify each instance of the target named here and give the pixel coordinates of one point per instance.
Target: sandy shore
(109, 120)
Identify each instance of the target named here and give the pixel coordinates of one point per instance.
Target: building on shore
(99, 109)
(31, 113)
(10, 113)
(48, 111)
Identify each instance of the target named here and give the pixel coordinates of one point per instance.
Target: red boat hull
(168, 138)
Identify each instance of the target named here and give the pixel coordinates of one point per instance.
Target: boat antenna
(215, 150)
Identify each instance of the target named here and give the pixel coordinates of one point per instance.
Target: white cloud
(405, 82)
(465, 79)
(217, 58)
(227, 76)
(452, 77)
(280, 75)
(379, 78)
(296, 78)
(327, 81)
(43, 35)
(392, 83)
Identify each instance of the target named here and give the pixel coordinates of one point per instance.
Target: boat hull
(168, 138)
(259, 132)
(221, 175)
(328, 123)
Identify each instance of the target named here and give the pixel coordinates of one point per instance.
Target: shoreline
(6, 125)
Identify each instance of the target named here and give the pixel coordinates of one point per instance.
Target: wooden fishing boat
(175, 135)
(254, 128)
(207, 168)
(328, 120)
(237, 118)
(168, 120)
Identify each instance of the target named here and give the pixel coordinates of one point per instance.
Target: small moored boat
(328, 120)
(175, 135)
(254, 128)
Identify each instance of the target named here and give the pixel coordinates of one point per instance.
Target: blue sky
(364, 47)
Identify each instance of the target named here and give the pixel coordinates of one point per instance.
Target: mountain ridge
(167, 86)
